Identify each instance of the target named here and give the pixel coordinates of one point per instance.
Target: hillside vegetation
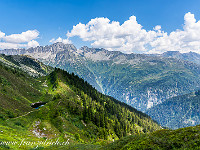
(74, 112)
(183, 139)
(78, 116)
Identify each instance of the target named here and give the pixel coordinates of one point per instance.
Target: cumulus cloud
(130, 36)
(33, 43)
(22, 40)
(23, 37)
(127, 37)
(65, 41)
(185, 40)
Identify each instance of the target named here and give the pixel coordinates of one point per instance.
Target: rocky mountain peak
(53, 49)
(93, 50)
(171, 53)
(61, 45)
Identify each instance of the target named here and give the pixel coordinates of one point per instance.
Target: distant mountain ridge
(83, 51)
(139, 80)
(191, 56)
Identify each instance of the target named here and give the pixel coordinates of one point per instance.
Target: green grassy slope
(75, 112)
(17, 92)
(183, 139)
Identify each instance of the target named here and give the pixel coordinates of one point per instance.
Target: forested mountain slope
(74, 111)
(184, 138)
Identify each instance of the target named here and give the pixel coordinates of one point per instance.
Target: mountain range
(140, 80)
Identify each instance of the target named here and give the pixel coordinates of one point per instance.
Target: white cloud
(111, 35)
(23, 37)
(4, 45)
(185, 40)
(65, 41)
(33, 43)
(158, 27)
(23, 40)
(2, 34)
(131, 37)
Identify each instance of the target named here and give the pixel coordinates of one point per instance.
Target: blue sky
(54, 18)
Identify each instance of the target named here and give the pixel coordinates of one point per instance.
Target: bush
(18, 123)
(10, 114)
(2, 117)
(77, 136)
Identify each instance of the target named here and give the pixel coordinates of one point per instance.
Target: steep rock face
(140, 80)
(178, 112)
